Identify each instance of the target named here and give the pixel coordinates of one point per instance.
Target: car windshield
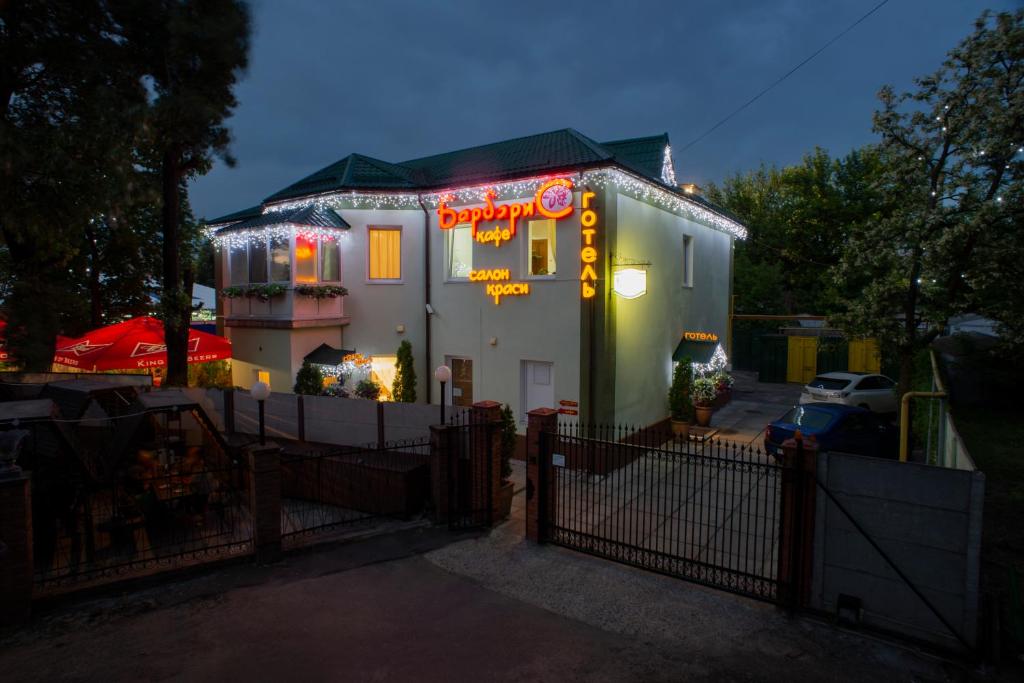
(808, 419)
(830, 383)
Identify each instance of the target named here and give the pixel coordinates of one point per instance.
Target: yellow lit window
(263, 376)
(385, 254)
(541, 259)
(305, 259)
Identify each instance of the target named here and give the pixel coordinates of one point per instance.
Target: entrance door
(461, 390)
(538, 386)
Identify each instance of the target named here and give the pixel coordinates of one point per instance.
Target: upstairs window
(305, 259)
(541, 257)
(330, 261)
(385, 254)
(460, 252)
(687, 261)
(238, 265)
(280, 260)
(258, 261)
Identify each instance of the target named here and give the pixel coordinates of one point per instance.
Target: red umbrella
(134, 344)
(5, 354)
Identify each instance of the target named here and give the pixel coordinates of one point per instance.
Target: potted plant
(508, 449)
(723, 388)
(680, 404)
(704, 392)
(367, 388)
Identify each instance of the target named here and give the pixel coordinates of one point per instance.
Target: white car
(877, 393)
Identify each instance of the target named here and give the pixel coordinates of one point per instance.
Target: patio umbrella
(5, 354)
(134, 344)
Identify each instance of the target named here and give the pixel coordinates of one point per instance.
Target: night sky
(398, 80)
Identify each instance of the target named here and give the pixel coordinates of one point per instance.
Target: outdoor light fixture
(261, 392)
(630, 283)
(443, 374)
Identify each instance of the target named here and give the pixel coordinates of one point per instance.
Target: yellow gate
(864, 356)
(803, 359)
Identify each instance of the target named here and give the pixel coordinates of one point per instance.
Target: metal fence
(331, 489)
(708, 512)
(149, 516)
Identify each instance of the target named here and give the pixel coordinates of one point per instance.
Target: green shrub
(404, 386)
(214, 374)
(367, 388)
(309, 380)
(680, 403)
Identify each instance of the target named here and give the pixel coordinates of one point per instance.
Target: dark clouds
(396, 80)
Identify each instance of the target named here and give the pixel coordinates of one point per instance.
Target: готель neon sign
(553, 199)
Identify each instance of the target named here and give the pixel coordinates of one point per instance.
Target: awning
(325, 354)
(698, 351)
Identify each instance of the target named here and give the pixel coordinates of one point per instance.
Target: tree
(945, 239)
(680, 402)
(193, 52)
(309, 380)
(404, 386)
(70, 107)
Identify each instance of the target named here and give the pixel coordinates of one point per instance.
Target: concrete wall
(648, 329)
(927, 520)
(280, 352)
(342, 421)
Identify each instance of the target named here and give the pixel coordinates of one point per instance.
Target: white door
(538, 386)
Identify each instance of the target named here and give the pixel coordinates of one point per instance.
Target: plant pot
(505, 500)
(681, 429)
(704, 415)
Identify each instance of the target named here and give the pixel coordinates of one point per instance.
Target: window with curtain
(258, 261)
(460, 251)
(385, 254)
(238, 264)
(541, 258)
(305, 259)
(330, 261)
(280, 260)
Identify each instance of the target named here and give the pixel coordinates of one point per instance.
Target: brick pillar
(796, 524)
(441, 453)
(15, 547)
(538, 420)
(265, 502)
(487, 443)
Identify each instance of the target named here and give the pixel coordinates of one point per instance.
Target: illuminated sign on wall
(588, 253)
(498, 284)
(553, 199)
(700, 336)
(630, 283)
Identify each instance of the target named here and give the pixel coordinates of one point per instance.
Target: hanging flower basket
(321, 291)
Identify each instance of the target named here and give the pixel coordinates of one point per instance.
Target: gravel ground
(720, 635)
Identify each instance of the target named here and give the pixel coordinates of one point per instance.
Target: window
(385, 254)
(541, 258)
(687, 261)
(330, 261)
(459, 241)
(830, 383)
(263, 376)
(258, 261)
(383, 372)
(808, 419)
(305, 259)
(238, 264)
(280, 260)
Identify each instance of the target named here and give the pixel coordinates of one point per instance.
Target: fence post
(541, 422)
(488, 443)
(796, 522)
(300, 408)
(441, 437)
(265, 502)
(380, 425)
(15, 546)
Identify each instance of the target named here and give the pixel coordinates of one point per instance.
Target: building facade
(550, 271)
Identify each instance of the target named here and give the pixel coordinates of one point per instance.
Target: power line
(786, 75)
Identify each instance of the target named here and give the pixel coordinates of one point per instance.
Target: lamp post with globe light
(261, 392)
(443, 374)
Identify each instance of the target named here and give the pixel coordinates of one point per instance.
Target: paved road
(380, 610)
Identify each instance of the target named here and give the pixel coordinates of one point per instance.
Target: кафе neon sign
(554, 200)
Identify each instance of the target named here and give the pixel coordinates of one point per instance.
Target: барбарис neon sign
(553, 199)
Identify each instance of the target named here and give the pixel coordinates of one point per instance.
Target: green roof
(559, 151)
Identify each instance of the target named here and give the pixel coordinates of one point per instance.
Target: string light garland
(632, 185)
(717, 363)
(224, 237)
(668, 169)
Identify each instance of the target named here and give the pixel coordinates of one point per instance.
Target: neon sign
(588, 253)
(553, 199)
(498, 284)
(700, 336)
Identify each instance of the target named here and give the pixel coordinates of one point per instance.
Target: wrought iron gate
(470, 471)
(705, 512)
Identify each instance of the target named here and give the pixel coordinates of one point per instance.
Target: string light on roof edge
(281, 231)
(632, 185)
(718, 362)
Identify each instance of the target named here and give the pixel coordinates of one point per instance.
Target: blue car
(836, 427)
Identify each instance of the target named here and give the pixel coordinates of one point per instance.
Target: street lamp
(261, 392)
(443, 374)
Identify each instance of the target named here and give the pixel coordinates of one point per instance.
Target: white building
(550, 270)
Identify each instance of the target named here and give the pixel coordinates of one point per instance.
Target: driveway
(754, 404)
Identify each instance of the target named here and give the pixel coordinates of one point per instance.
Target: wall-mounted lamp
(493, 341)
(629, 283)
(400, 329)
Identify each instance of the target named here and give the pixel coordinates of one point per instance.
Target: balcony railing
(287, 306)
